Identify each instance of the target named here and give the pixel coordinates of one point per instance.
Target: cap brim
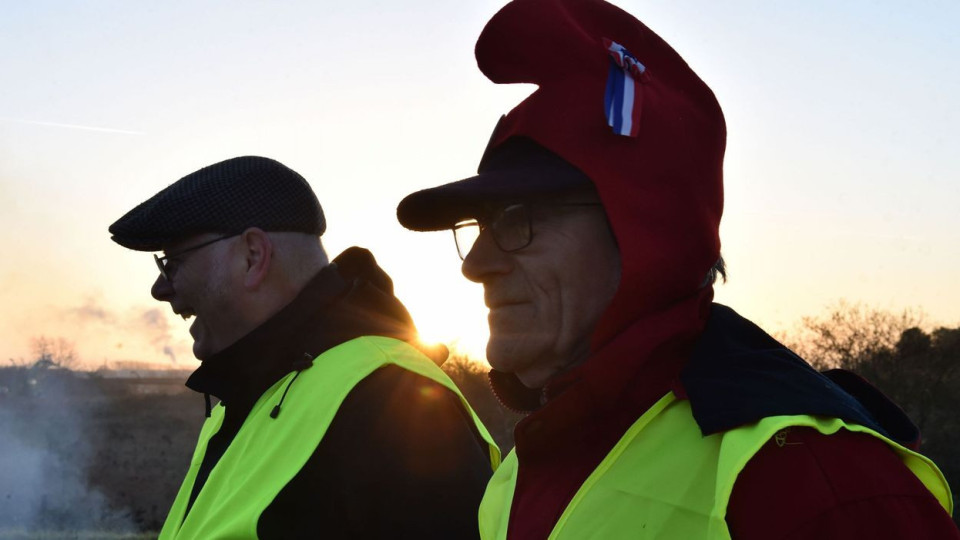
(444, 206)
(139, 244)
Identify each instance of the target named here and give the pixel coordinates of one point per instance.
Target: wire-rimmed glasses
(511, 227)
(164, 263)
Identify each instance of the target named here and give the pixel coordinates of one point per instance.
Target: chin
(499, 357)
(536, 378)
(534, 364)
(200, 352)
(511, 356)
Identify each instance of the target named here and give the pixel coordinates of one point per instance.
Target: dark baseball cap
(517, 170)
(227, 197)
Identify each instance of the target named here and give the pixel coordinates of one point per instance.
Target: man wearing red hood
(653, 412)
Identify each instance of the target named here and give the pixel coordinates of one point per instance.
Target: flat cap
(226, 197)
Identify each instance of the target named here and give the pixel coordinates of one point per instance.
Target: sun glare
(469, 340)
(463, 332)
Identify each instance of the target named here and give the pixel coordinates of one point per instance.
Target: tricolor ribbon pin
(623, 98)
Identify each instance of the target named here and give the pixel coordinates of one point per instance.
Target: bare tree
(850, 334)
(53, 352)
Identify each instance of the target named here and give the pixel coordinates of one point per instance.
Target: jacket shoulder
(400, 459)
(804, 484)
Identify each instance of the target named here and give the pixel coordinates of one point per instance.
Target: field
(101, 455)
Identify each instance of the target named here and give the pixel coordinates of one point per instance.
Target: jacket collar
(738, 374)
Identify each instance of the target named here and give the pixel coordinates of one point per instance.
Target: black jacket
(390, 465)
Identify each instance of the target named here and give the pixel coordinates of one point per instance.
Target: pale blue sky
(841, 172)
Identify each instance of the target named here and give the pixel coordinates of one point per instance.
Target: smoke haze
(45, 443)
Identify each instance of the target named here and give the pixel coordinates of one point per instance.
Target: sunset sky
(842, 165)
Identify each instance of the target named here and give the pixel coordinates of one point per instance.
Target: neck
(259, 304)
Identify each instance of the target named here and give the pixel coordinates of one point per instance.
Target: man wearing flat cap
(653, 412)
(331, 422)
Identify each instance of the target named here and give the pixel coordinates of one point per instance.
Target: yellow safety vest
(665, 480)
(267, 453)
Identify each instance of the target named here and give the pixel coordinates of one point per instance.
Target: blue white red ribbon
(623, 98)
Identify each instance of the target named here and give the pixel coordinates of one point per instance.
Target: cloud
(90, 311)
(149, 325)
(72, 126)
(156, 326)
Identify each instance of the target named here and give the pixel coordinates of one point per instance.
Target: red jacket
(804, 485)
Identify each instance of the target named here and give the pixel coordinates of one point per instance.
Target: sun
(457, 317)
(463, 332)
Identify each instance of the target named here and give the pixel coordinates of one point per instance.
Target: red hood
(662, 190)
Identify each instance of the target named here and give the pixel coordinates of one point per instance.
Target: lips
(502, 305)
(494, 301)
(185, 313)
(505, 311)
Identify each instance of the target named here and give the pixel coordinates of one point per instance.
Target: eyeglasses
(165, 264)
(511, 227)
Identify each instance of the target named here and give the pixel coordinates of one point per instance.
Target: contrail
(73, 126)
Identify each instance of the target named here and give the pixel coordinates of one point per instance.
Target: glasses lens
(465, 234)
(511, 229)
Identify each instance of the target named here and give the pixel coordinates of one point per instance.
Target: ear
(258, 254)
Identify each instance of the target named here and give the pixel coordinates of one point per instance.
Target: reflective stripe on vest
(671, 482)
(267, 453)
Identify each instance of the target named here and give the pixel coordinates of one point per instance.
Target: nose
(485, 259)
(162, 289)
